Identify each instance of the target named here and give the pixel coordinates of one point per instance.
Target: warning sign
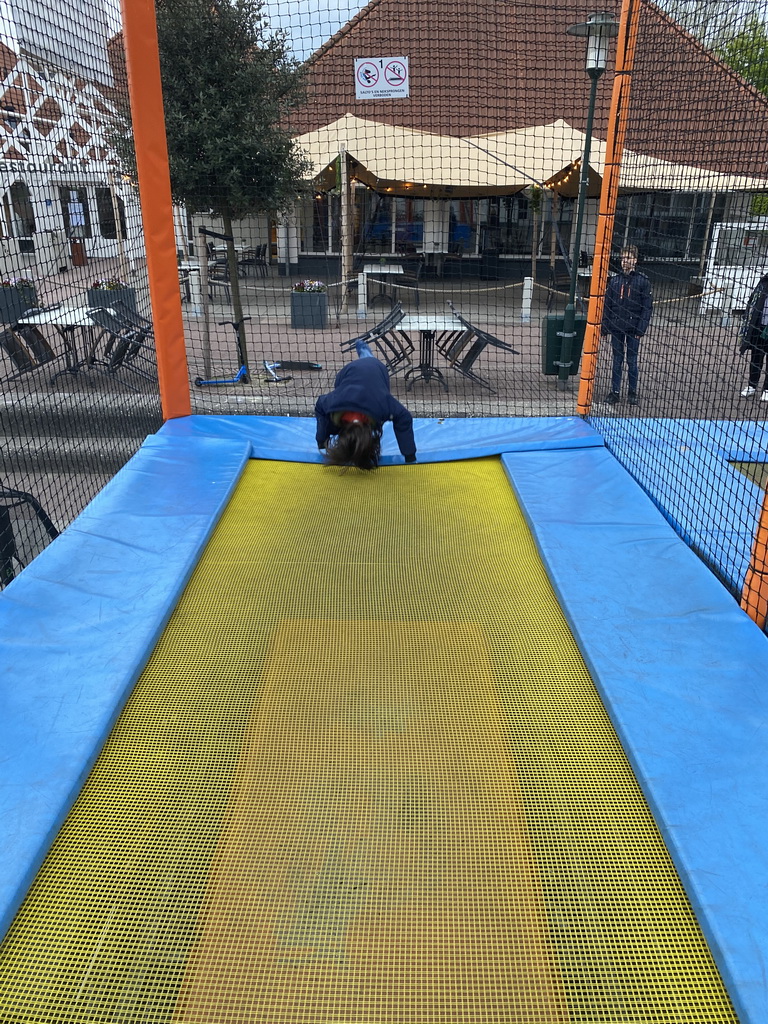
(380, 78)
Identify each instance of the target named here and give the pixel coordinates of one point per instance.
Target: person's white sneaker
(764, 396)
(748, 390)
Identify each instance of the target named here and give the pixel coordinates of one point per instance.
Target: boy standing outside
(626, 315)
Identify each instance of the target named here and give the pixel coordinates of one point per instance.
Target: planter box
(106, 297)
(14, 302)
(309, 310)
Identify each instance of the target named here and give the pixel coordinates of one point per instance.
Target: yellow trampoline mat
(365, 777)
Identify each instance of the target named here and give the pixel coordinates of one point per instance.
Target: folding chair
(463, 351)
(124, 335)
(131, 316)
(10, 557)
(393, 317)
(26, 347)
(394, 347)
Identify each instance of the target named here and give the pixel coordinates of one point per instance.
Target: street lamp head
(598, 29)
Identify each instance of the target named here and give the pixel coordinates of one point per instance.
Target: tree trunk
(234, 284)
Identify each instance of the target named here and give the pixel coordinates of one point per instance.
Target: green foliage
(534, 193)
(747, 52)
(759, 205)
(228, 87)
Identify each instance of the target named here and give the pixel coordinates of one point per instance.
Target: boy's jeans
(619, 342)
(364, 350)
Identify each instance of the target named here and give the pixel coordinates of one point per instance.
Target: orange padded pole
(754, 596)
(609, 193)
(143, 63)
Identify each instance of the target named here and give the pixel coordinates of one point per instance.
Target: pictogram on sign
(381, 78)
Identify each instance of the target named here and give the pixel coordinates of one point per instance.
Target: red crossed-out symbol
(367, 75)
(394, 72)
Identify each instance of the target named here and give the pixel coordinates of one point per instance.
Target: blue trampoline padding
(78, 625)
(682, 671)
(292, 438)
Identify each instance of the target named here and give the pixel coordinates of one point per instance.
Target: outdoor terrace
(689, 362)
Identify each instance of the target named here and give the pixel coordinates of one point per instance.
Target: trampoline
(478, 739)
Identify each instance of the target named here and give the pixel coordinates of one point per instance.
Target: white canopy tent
(402, 161)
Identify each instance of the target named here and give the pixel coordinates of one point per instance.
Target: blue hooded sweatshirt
(363, 386)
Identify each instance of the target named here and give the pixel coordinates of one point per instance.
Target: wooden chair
(26, 347)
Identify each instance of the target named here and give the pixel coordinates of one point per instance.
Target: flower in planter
(110, 284)
(309, 286)
(17, 282)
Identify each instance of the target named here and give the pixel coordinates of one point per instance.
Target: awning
(404, 162)
(549, 154)
(552, 153)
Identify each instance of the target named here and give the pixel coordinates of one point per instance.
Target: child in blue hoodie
(350, 418)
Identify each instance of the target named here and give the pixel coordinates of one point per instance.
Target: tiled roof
(479, 66)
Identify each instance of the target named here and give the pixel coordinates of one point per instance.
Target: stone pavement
(63, 442)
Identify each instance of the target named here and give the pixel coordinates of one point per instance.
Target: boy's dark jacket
(628, 305)
(752, 325)
(363, 386)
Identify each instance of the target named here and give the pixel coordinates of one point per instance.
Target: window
(22, 214)
(409, 224)
(667, 225)
(74, 208)
(106, 213)
(462, 233)
(373, 222)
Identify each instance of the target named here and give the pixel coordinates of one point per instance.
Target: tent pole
(346, 230)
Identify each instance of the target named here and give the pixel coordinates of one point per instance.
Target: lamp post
(598, 29)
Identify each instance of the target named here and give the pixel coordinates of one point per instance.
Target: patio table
(69, 323)
(362, 281)
(429, 328)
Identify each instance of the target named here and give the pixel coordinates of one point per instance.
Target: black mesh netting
(410, 171)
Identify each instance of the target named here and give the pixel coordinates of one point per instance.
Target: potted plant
(309, 305)
(105, 292)
(17, 294)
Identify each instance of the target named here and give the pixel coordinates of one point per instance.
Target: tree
(705, 19)
(747, 52)
(229, 86)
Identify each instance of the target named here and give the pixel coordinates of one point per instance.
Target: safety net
(456, 181)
